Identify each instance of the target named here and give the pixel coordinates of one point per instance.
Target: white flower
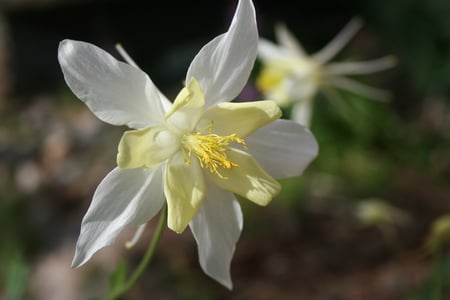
(290, 75)
(195, 153)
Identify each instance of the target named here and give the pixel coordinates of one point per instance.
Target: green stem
(147, 257)
(438, 274)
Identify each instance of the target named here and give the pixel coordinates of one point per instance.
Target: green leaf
(16, 278)
(117, 279)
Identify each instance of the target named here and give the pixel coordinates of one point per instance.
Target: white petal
(302, 86)
(268, 51)
(116, 92)
(359, 88)
(360, 67)
(339, 41)
(224, 64)
(283, 148)
(288, 40)
(216, 228)
(123, 197)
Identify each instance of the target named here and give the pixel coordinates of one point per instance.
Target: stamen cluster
(210, 149)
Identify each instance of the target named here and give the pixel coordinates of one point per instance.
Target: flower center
(210, 149)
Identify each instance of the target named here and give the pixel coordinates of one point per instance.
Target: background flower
(290, 75)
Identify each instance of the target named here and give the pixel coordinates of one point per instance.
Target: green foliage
(420, 33)
(355, 137)
(437, 286)
(117, 280)
(16, 278)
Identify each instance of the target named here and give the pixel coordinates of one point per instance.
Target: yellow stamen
(210, 149)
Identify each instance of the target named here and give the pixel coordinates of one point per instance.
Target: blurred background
(367, 220)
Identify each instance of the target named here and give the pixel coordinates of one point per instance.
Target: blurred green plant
(437, 285)
(119, 284)
(439, 236)
(420, 33)
(18, 240)
(17, 271)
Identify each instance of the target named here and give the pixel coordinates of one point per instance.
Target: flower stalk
(146, 259)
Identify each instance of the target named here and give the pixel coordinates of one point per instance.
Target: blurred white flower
(290, 75)
(195, 153)
(379, 213)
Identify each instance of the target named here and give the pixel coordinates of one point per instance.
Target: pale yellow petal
(184, 187)
(240, 118)
(187, 107)
(248, 180)
(146, 147)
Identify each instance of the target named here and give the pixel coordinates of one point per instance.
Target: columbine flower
(289, 74)
(195, 153)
